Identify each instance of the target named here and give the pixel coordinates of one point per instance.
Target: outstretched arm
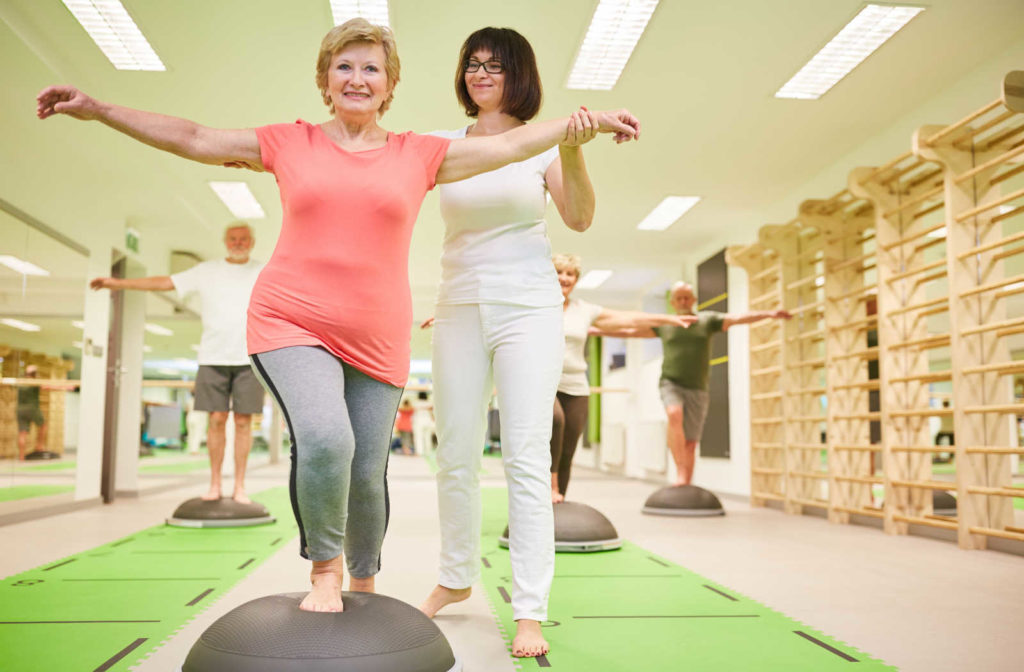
(467, 157)
(732, 319)
(178, 136)
(638, 324)
(567, 178)
(157, 283)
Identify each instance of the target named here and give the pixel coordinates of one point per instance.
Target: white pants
(518, 350)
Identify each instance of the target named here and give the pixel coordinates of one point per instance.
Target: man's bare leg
(215, 439)
(677, 445)
(689, 458)
(441, 597)
(326, 577)
(243, 443)
(41, 437)
(529, 642)
(556, 496)
(22, 444)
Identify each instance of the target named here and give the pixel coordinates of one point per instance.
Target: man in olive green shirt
(685, 370)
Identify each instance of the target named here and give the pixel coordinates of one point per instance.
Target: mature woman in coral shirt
(325, 330)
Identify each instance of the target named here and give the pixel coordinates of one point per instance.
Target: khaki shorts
(228, 388)
(694, 403)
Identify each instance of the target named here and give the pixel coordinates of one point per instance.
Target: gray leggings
(340, 422)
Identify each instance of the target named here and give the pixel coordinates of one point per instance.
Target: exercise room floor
(914, 603)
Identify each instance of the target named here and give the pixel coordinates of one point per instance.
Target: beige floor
(920, 604)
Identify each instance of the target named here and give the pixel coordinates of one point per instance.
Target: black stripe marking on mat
(247, 563)
(276, 541)
(65, 622)
(682, 616)
(60, 564)
(113, 660)
(504, 594)
(542, 661)
(198, 597)
(487, 563)
(156, 578)
(826, 646)
(663, 564)
(716, 590)
(123, 541)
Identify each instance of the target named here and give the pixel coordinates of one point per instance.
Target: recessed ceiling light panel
(114, 32)
(613, 33)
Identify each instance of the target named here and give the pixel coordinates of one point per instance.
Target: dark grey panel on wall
(712, 294)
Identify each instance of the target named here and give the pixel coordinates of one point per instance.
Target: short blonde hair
(569, 262)
(355, 31)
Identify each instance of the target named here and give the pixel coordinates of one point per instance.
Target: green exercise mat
(631, 610)
(28, 491)
(106, 608)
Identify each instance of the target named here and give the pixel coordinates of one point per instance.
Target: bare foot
(557, 497)
(441, 597)
(241, 497)
(529, 642)
(326, 578)
(357, 585)
(213, 495)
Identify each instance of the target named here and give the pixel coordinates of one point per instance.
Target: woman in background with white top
(573, 398)
(498, 324)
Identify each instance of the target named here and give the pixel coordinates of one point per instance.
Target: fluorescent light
(169, 372)
(374, 11)
(420, 366)
(667, 212)
(77, 344)
(195, 347)
(21, 266)
(239, 200)
(1016, 285)
(114, 32)
(78, 324)
(865, 33)
(146, 348)
(593, 279)
(614, 30)
(819, 281)
(938, 233)
(158, 330)
(18, 324)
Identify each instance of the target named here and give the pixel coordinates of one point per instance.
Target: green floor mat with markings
(627, 610)
(28, 491)
(107, 608)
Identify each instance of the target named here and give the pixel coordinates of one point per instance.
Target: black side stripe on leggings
(292, 484)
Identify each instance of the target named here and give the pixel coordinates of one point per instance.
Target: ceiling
(701, 81)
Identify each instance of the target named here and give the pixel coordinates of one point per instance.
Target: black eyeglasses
(492, 67)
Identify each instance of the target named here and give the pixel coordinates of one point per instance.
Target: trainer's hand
(685, 321)
(582, 128)
(103, 283)
(66, 100)
(620, 122)
(782, 314)
(427, 323)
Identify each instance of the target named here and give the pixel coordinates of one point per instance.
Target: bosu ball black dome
(683, 500)
(375, 633)
(223, 512)
(943, 503)
(579, 529)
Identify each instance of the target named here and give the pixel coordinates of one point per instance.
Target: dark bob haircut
(523, 90)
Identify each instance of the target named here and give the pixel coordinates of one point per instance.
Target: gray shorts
(228, 388)
(694, 403)
(28, 416)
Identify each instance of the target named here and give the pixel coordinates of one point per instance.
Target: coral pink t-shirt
(339, 275)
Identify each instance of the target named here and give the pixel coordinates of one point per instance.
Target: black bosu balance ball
(223, 512)
(683, 500)
(42, 455)
(579, 529)
(375, 633)
(943, 503)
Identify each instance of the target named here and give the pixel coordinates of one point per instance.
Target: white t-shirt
(496, 247)
(577, 318)
(224, 290)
